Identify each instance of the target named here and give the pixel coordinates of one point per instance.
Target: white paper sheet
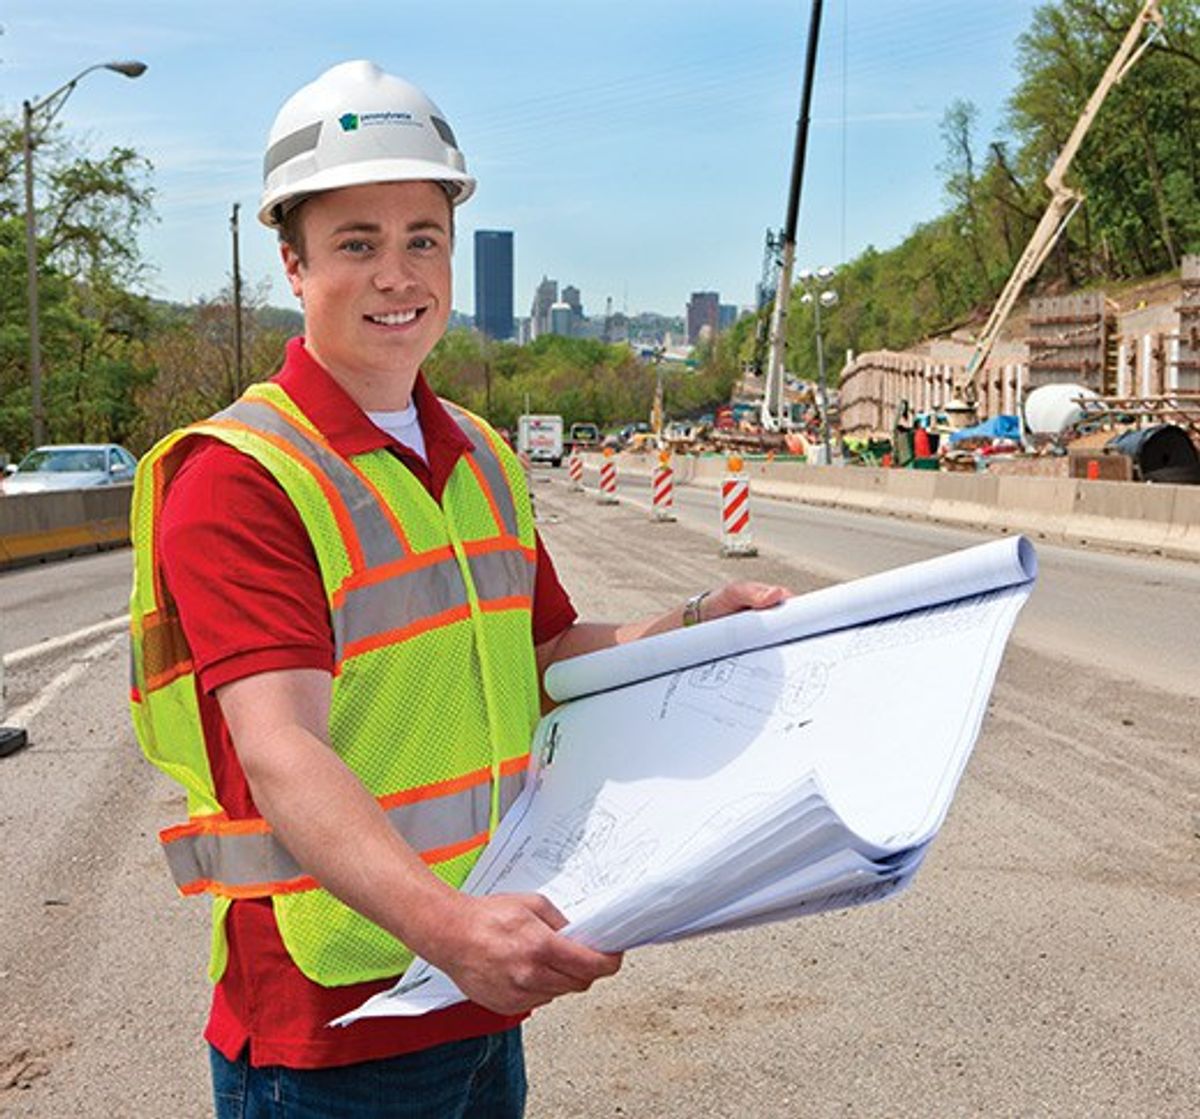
(807, 769)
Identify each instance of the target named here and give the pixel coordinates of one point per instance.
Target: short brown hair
(291, 228)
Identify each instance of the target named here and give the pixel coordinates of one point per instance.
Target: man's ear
(293, 268)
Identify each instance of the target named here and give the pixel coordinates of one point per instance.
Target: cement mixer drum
(1051, 409)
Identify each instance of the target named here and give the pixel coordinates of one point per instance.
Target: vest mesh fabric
(411, 711)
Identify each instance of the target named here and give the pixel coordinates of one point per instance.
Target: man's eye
(355, 247)
(422, 243)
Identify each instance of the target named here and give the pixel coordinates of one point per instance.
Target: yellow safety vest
(434, 693)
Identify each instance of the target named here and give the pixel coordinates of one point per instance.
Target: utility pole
(772, 410)
(237, 305)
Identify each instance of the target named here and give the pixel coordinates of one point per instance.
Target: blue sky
(639, 150)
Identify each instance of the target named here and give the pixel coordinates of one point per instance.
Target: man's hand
(505, 953)
(735, 597)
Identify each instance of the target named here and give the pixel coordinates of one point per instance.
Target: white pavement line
(51, 644)
(62, 681)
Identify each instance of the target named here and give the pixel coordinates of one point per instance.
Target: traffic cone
(735, 512)
(663, 489)
(575, 469)
(608, 478)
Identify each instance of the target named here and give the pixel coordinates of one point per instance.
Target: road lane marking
(22, 715)
(51, 644)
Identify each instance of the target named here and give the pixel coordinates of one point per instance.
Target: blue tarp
(998, 427)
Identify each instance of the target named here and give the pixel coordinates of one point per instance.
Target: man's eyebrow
(357, 226)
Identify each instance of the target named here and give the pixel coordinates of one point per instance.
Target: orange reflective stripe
(453, 850)
(508, 768)
(165, 653)
(319, 437)
(244, 893)
(484, 462)
(243, 858)
(504, 542)
(487, 492)
(512, 602)
(341, 514)
(395, 636)
(385, 571)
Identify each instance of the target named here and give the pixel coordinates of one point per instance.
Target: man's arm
(588, 637)
(503, 952)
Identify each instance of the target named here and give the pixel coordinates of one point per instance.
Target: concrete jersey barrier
(35, 526)
(1136, 516)
(1160, 519)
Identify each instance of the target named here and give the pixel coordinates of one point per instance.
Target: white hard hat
(353, 125)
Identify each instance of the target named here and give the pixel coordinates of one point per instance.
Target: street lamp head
(805, 275)
(131, 68)
(829, 299)
(825, 274)
(806, 298)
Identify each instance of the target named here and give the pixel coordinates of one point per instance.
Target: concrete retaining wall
(1160, 519)
(37, 526)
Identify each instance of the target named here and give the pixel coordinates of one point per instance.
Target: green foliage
(1138, 169)
(93, 330)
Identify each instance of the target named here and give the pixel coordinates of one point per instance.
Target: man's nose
(395, 272)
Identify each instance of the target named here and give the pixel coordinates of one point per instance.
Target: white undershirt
(403, 426)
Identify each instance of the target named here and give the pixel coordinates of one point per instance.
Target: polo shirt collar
(346, 426)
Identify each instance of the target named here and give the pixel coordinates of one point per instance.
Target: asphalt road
(1043, 963)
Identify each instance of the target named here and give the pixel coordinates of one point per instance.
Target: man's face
(375, 281)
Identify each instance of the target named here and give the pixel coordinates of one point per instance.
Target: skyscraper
(494, 282)
(703, 310)
(544, 298)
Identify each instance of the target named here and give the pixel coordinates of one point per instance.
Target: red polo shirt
(243, 573)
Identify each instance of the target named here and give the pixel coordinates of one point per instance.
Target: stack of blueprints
(756, 768)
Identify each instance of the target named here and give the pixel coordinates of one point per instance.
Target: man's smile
(396, 318)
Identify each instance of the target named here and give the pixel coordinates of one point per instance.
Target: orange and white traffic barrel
(735, 512)
(575, 470)
(608, 478)
(662, 489)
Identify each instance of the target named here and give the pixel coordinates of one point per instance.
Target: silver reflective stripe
(490, 467)
(397, 602)
(502, 574)
(295, 143)
(379, 542)
(259, 859)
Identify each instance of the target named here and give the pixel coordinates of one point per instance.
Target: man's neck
(389, 391)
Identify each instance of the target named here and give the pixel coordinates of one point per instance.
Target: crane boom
(1064, 201)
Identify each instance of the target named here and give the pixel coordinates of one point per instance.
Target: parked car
(72, 466)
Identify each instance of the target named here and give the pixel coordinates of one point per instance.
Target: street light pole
(821, 376)
(237, 304)
(52, 104)
(819, 294)
(35, 338)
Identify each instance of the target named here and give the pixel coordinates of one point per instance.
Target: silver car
(69, 466)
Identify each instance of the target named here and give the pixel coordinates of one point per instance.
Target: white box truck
(541, 438)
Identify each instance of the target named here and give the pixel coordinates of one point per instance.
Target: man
(341, 617)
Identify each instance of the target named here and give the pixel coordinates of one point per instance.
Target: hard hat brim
(362, 173)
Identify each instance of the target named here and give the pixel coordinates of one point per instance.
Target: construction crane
(1064, 200)
(773, 410)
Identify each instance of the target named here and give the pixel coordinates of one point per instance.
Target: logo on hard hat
(348, 121)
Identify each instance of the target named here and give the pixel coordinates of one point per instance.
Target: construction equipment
(1064, 200)
(773, 411)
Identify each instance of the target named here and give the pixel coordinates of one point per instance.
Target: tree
(94, 328)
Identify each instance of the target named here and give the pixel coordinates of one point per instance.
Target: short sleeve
(553, 610)
(239, 564)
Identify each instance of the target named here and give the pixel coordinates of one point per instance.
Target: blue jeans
(481, 1078)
